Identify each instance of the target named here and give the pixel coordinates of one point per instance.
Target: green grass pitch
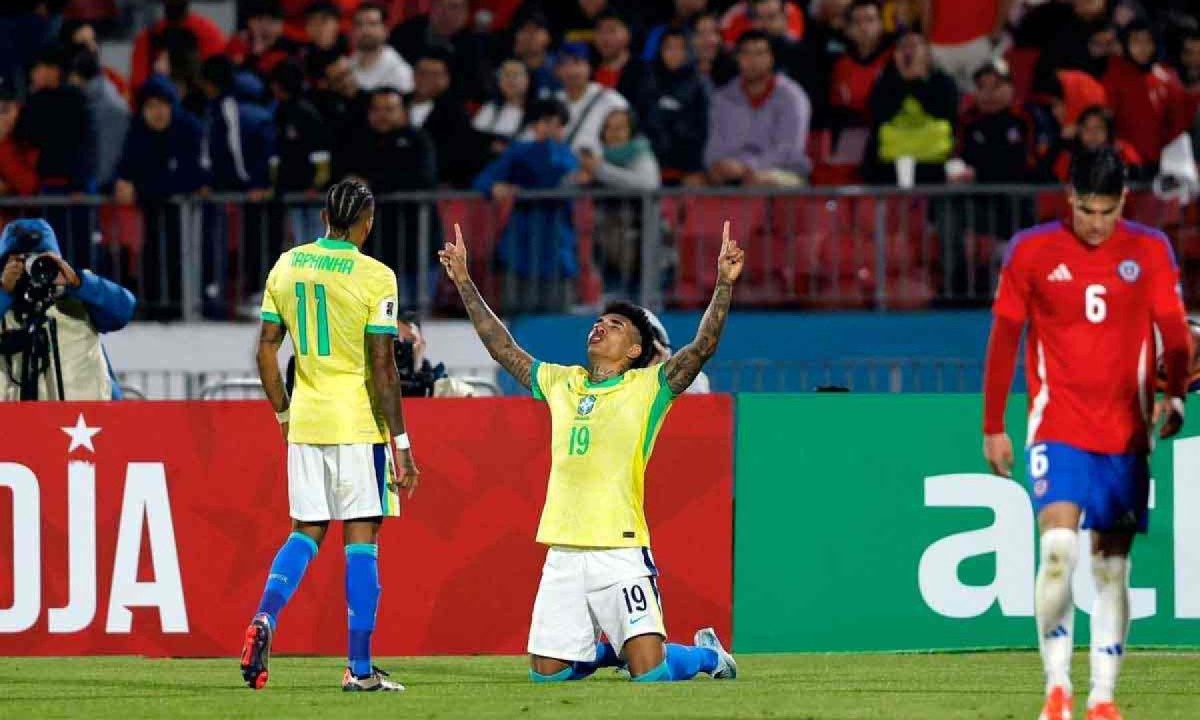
(986, 686)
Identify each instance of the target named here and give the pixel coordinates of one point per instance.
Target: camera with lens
(36, 291)
(414, 381)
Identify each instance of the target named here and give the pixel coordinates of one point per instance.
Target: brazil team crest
(586, 404)
(1129, 271)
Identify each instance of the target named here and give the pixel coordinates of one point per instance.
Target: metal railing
(874, 375)
(559, 251)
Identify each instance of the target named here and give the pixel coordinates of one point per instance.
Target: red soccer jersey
(1090, 314)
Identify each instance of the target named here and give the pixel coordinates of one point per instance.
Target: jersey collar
(606, 383)
(331, 244)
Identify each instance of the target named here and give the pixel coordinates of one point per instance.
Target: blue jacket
(109, 306)
(539, 240)
(162, 164)
(240, 141)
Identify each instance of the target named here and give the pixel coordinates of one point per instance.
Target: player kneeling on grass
(344, 427)
(1089, 293)
(599, 574)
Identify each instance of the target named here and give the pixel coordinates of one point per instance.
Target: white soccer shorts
(338, 482)
(585, 592)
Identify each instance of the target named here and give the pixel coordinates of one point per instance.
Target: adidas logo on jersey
(1060, 274)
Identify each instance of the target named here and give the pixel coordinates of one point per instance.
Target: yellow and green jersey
(330, 296)
(602, 437)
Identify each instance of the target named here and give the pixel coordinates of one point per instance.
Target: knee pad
(1060, 551)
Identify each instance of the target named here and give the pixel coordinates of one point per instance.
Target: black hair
(610, 15)
(436, 51)
(218, 70)
(1104, 114)
(258, 8)
(858, 4)
(753, 36)
(546, 108)
(384, 91)
(323, 7)
(1098, 172)
(56, 56)
(636, 316)
(410, 317)
(672, 32)
(1048, 84)
(344, 204)
(289, 76)
(364, 7)
(84, 62)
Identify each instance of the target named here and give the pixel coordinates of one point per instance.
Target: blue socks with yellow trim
(362, 601)
(287, 570)
(686, 662)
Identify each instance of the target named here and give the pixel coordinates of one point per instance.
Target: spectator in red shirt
(177, 14)
(1146, 96)
(963, 35)
(18, 162)
(855, 72)
(262, 45)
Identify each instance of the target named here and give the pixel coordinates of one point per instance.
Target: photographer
(51, 318)
(418, 376)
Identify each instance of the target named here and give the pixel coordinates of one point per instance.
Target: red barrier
(156, 531)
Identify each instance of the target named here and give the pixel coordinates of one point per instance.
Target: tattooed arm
(683, 367)
(496, 338)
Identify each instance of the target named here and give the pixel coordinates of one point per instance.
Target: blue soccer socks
(362, 602)
(686, 662)
(287, 570)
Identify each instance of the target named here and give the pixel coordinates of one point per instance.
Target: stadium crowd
(499, 95)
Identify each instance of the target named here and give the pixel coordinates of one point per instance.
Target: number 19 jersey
(602, 435)
(1090, 344)
(330, 296)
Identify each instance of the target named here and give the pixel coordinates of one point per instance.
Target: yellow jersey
(602, 435)
(330, 296)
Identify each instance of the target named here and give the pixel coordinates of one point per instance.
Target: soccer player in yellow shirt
(344, 426)
(599, 574)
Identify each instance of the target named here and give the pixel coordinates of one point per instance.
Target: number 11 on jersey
(302, 319)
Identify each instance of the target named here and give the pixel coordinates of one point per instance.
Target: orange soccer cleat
(1058, 705)
(1104, 711)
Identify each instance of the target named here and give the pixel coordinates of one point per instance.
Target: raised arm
(270, 337)
(685, 365)
(496, 338)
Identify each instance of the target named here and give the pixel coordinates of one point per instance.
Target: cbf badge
(1040, 487)
(1129, 271)
(586, 404)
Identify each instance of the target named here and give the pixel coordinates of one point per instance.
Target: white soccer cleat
(375, 682)
(726, 665)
